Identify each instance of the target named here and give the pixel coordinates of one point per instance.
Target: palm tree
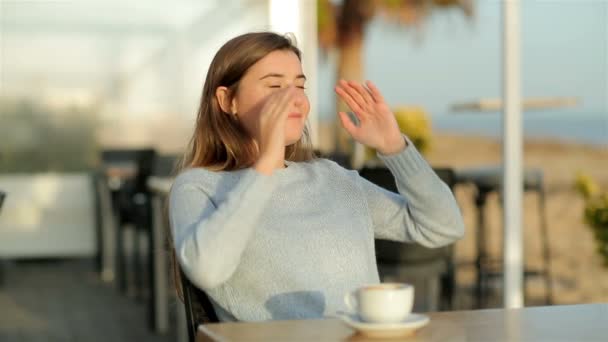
(342, 28)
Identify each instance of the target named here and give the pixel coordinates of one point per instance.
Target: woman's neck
(267, 167)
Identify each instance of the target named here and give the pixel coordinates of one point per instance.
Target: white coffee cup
(382, 303)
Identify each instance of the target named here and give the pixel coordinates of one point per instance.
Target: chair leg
(95, 185)
(138, 259)
(159, 269)
(120, 259)
(132, 261)
(129, 259)
(480, 202)
(447, 291)
(545, 246)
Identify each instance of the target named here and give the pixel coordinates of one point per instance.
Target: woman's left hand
(377, 126)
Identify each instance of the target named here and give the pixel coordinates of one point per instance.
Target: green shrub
(596, 212)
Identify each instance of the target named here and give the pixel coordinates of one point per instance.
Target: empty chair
(127, 172)
(488, 180)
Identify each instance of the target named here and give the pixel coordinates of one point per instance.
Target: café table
(583, 322)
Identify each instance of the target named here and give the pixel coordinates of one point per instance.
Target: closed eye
(278, 86)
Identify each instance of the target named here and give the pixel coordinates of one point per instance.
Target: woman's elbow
(451, 231)
(202, 273)
(459, 228)
(452, 217)
(456, 224)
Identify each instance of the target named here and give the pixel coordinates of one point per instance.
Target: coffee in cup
(382, 303)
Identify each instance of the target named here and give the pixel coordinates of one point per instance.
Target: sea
(568, 126)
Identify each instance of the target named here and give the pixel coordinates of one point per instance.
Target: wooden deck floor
(66, 301)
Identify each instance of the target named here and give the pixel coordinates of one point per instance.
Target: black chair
(486, 181)
(432, 270)
(165, 165)
(131, 202)
(199, 309)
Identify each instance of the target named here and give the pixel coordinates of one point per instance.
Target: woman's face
(279, 69)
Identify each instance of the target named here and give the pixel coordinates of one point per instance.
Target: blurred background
(97, 97)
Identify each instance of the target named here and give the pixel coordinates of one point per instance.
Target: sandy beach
(576, 267)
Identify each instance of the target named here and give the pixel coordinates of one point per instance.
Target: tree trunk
(350, 67)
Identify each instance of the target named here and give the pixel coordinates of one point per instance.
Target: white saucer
(407, 327)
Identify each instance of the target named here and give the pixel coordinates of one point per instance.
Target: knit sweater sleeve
(424, 211)
(209, 239)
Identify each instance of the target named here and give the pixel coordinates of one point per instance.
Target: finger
(273, 107)
(362, 91)
(375, 92)
(283, 97)
(354, 94)
(348, 125)
(285, 102)
(348, 99)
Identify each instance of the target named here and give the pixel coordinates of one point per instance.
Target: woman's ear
(222, 94)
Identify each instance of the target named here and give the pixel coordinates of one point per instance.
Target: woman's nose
(299, 99)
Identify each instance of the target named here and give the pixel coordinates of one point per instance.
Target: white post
(512, 158)
(300, 18)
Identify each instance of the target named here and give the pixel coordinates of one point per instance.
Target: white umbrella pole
(512, 158)
(300, 17)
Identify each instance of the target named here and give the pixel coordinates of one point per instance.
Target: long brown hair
(219, 141)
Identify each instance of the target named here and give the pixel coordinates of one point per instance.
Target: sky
(564, 53)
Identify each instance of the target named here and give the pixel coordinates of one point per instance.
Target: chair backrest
(143, 159)
(380, 176)
(165, 165)
(124, 198)
(383, 177)
(392, 251)
(199, 309)
(341, 159)
(447, 175)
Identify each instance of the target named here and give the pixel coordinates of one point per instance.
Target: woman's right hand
(271, 125)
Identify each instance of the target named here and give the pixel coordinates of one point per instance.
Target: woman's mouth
(294, 116)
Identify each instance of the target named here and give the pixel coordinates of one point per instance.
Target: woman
(265, 229)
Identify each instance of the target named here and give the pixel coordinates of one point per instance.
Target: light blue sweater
(290, 245)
